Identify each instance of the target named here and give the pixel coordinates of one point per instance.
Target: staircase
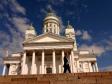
(68, 78)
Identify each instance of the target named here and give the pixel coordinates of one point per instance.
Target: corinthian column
(90, 67)
(54, 62)
(4, 70)
(24, 58)
(72, 62)
(33, 67)
(62, 60)
(24, 65)
(96, 67)
(43, 58)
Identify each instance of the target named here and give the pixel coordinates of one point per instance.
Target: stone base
(77, 78)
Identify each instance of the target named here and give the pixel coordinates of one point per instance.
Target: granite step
(68, 78)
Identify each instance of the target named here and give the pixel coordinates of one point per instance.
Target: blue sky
(91, 19)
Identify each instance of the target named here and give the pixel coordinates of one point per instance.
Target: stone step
(68, 78)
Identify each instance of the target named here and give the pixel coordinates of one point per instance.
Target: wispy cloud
(16, 7)
(22, 23)
(99, 47)
(84, 34)
(109, 44)
(78, 32)
(13, 6)
(4, 39)
(107, 68)
(16, 25)
(94, 49)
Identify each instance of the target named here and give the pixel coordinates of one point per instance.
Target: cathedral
(43, 54)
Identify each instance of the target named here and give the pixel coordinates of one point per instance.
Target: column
(72, 61)
(4, 70)
(54, 62)
(24, 58)
(59, 68)
(33, 67)
(24, 65)
(78, 67)
(84, 70)
(96, 67)
(90, 67)
(63, 54)
(93, 67)
(43, 62)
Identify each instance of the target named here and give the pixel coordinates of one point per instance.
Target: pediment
(49, 38)
(46, 39)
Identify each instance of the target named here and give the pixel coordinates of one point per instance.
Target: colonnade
(33, 65)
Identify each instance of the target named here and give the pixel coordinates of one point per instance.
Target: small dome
(31, 27)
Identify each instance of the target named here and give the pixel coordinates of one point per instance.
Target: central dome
(51, 23)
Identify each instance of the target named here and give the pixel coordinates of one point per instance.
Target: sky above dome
(91, 19)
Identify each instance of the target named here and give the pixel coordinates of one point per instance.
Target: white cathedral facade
(43, 54)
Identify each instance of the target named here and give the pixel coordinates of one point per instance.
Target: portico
(44, 61)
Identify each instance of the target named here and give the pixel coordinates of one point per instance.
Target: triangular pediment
(49, 37)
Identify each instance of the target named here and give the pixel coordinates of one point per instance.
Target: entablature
(11, 60)
(51, 45)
